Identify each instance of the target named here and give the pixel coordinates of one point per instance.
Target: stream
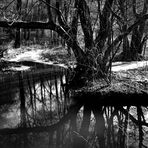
(33, 94)
(37, 111)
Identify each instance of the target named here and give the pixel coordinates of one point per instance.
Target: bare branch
(115, 15)
(29, 11)
(61, 17)
(8, 5)
(124, 111)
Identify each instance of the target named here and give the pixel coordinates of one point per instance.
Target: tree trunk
(126, 50)
(22, 101)
(18, 33)
(17, 42)
(135, 42)
(104, 25)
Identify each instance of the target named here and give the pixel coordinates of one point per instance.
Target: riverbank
(126, 75)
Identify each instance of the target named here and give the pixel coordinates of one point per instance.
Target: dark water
(30, 100)
(40, 92)
(37, 111)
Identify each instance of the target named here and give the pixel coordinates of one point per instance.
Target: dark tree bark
(17, 34)
(126, 55)
(85, 20)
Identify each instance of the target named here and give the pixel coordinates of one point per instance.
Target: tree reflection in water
(52, 117)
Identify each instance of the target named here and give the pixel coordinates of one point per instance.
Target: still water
(43, 93)
(37, 111)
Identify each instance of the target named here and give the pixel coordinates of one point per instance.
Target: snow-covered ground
(31, 55)
(34, 54)
(123, 66)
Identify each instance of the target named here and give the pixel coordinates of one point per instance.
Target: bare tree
(93, 59)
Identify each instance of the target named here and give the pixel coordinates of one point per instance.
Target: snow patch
(33, 55)
(123, 66)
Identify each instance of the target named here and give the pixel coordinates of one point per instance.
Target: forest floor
(37, 53)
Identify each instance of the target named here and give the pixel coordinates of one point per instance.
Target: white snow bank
(33, 55)
(123, 66)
